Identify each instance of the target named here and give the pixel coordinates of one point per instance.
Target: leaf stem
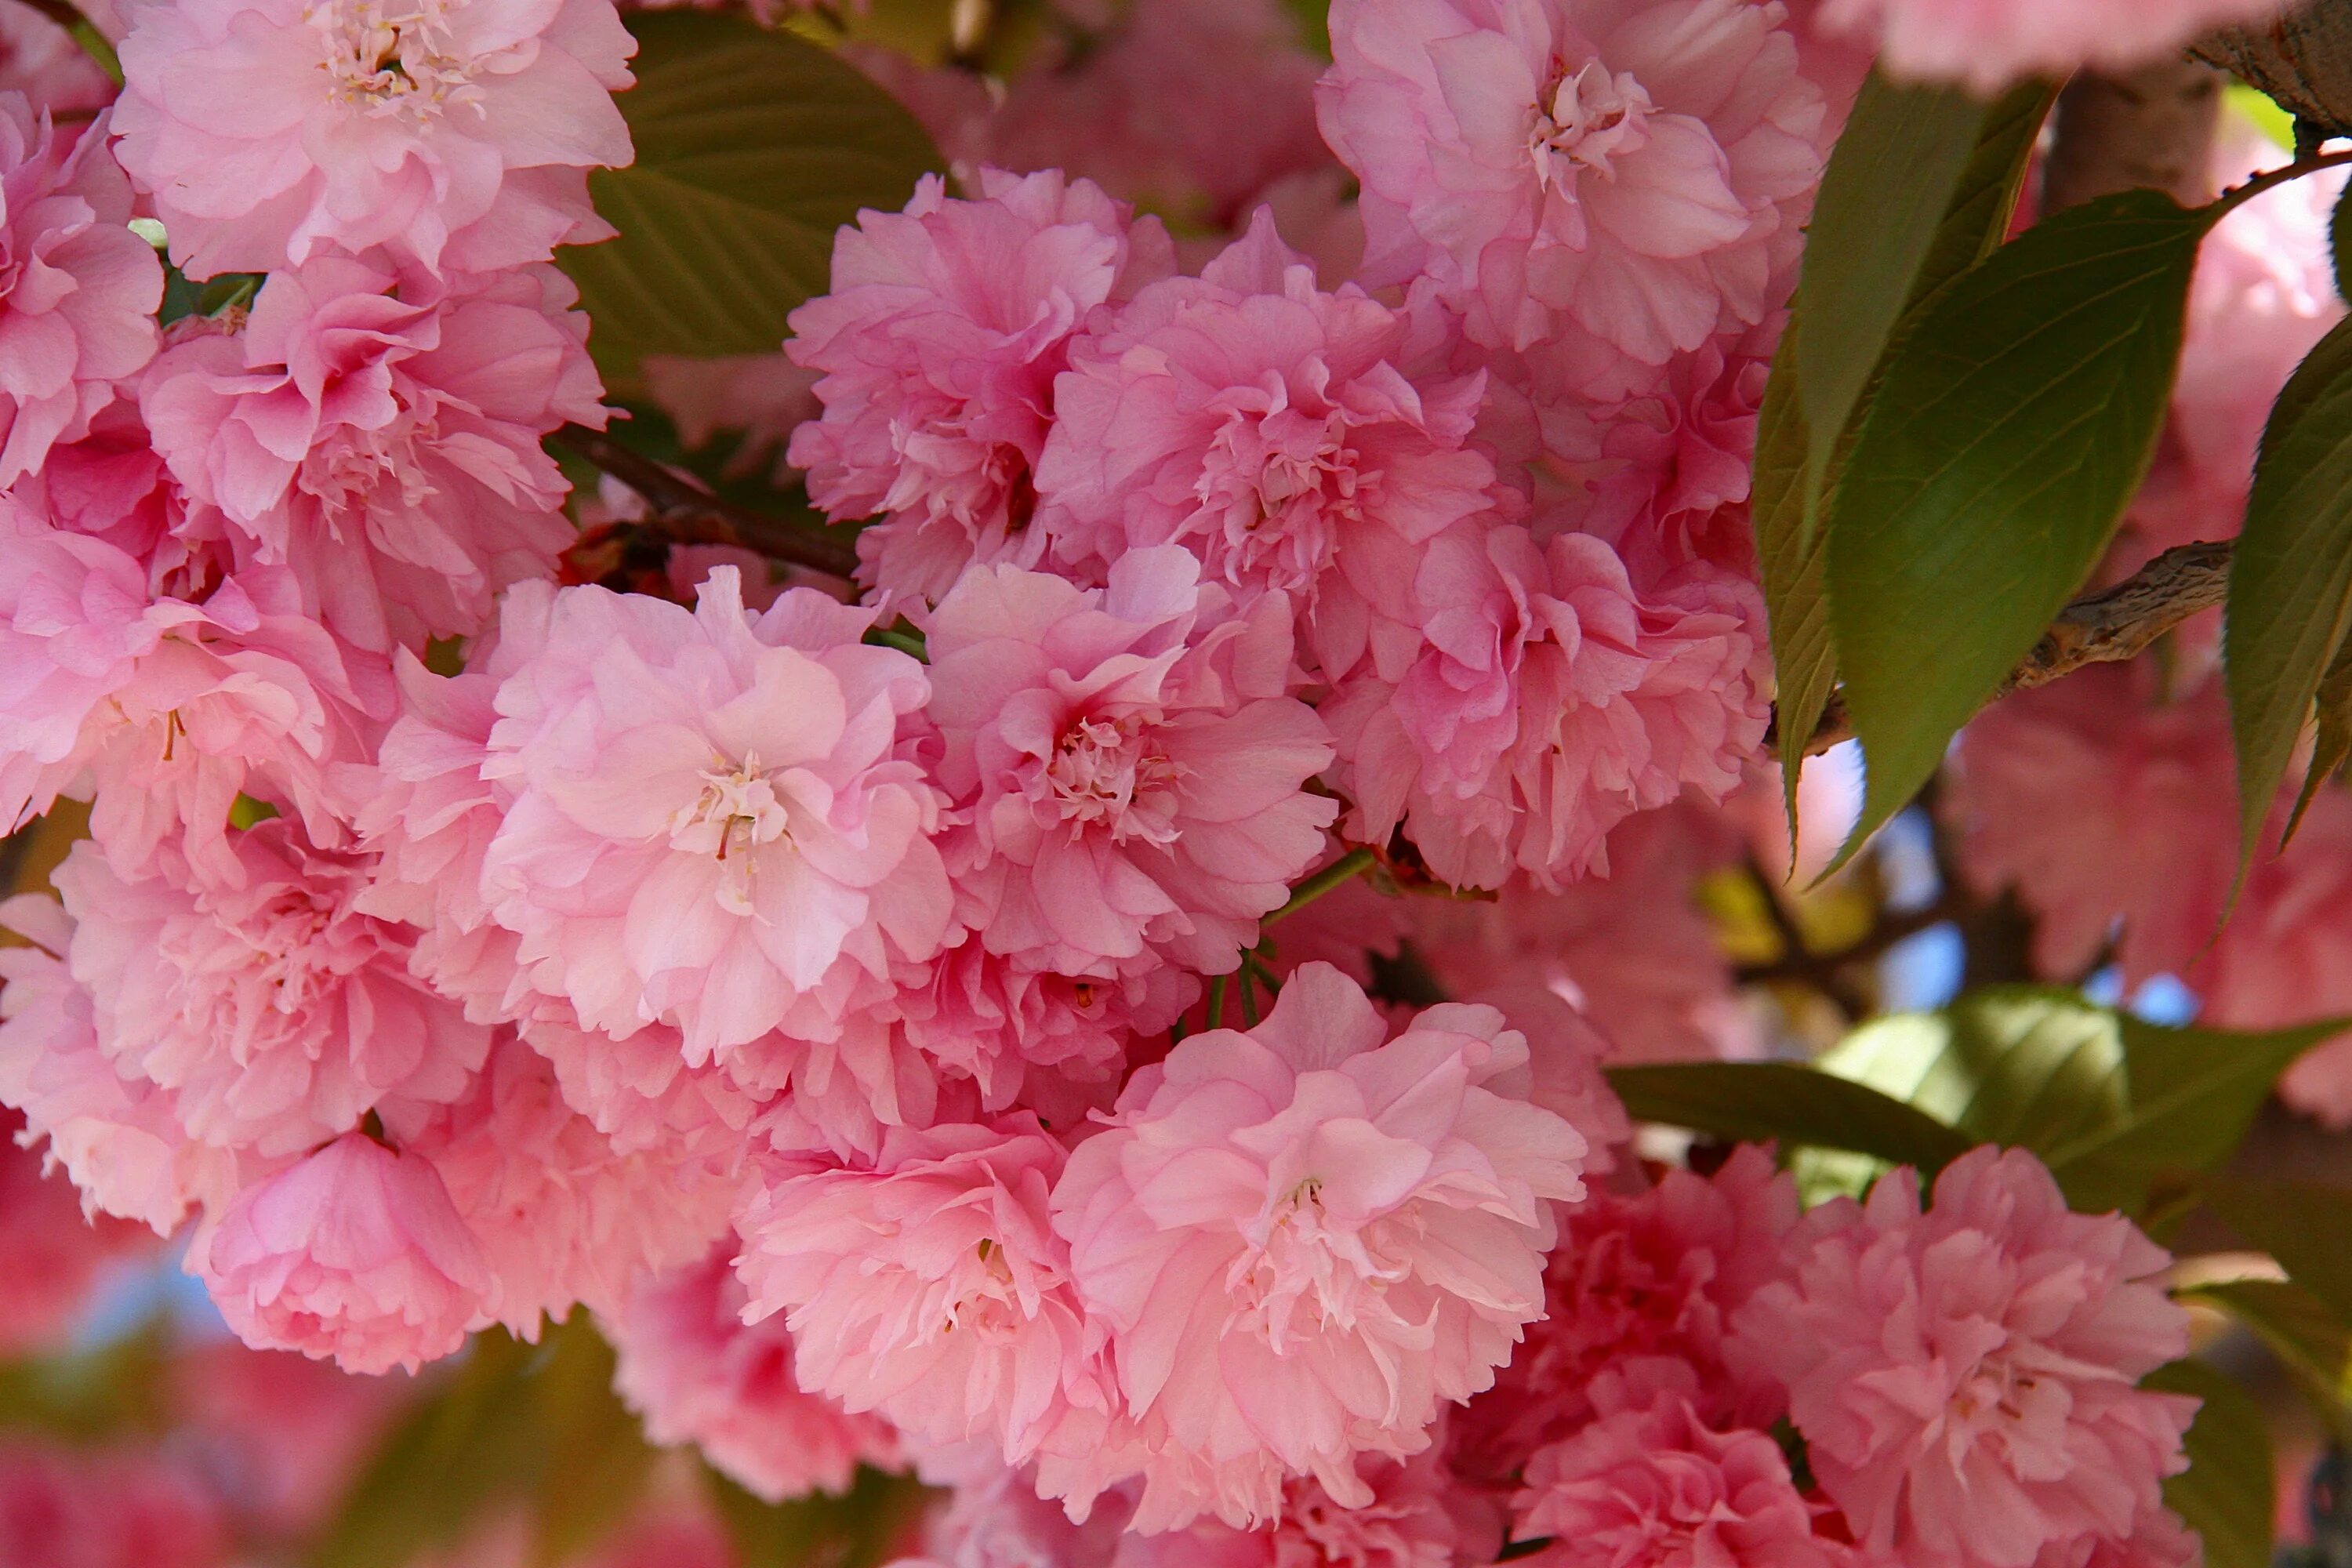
(2238, 195)
(1346, 868)
(2104, 627)
(690, 516)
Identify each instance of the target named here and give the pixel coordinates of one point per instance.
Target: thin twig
(2105, 627)
(1346, 868)
(1823, 976)
(690, 516)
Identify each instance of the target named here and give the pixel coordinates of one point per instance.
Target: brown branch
(2105, 627)
(690, 516)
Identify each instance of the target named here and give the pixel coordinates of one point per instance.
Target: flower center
(1105, 774)
(1593, 116)
(1279, 486)
(737, 809)
(394, 59)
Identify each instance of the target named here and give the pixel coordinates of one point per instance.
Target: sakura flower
(456, 134)
(385, 449)
(355, 1252)
(274, 1011)
(932, 1288)
(1988, 44)
(936, 352)
(2280, 959)
(714, 820)
(119, 1140)
(167, 710)
(1130, 762)
(1555, 696)
(1631, 170)
(104, 1508)
(1630, 948)
(994, 1518)
(696, 1374)
(1652, 1486)
(1964, 1378)
(43, 61)
(1303, 1240)
(1418, 1516)
(2093, 799)
(560, 1215)
(1265, 425)
(60, 1254)
(1637, 1278)
(77, 290)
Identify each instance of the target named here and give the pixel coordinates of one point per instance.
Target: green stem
(904, 642)
(2230, 200)
(1216, 1019)
(1346, 868)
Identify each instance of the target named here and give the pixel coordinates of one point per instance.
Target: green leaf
(92, 1394)
(1889, 181)
(533, 1426)
(2305, 1225)
(2112, 1103)
(2227, 1494)
(2289, 599)
(857, 1530)
(2332, 746)
(754, 146)
(1790, 557)
(2339, 235)
(2300, 1330)
(1791, 474)
(2011, 426)
(1756, 1102)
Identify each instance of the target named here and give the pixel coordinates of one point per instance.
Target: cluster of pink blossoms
(831, 987)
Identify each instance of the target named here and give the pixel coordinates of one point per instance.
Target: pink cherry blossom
(274, 1011)
(77, 290)
(1964, 1378)
(1631, 950)
(384, 447)
(1265, 425)
(167, 710)
(1417, 1517)
(1628, 170)
(1653, 1486)
(936, 350)
(1639, 1277)
(104, 1508)
(1555, 696)
(932, 1288)
(43, 61)
(1259, 1229)
(1191, 108)
(696, 1374)
(291, 1430)
(715, 822)
(59, 1255)
(1130, 763)
(2280, 960)
(121, 1140)
(1988, 44)
(355, 1252)
(456, 134)
(560, 1215)
(2094, 798)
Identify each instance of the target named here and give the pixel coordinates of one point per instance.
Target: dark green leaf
(2332, 746)
(2300, 1330)
(2306, 1226)
(857, 1530)
(2013, 422)
(1790, 557)
(1889, 181)
(2111, 1102)
(1755, 1102)
(2227, 1494)
(2290, 576)
(2339, 235)
(754, 146)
